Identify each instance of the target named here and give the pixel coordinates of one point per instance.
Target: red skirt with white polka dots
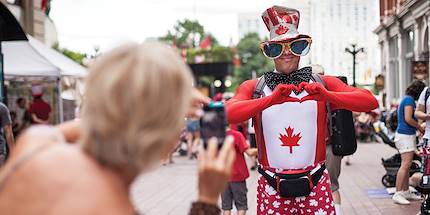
(318, 202)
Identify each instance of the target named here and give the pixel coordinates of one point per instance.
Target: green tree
(186, 33)
(75, 56)
(251, 58)
(212, 55)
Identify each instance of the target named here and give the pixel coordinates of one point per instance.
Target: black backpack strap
(258, 91)
(317, 78)
(425, 99)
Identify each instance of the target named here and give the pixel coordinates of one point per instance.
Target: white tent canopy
(32, 58)
(21, 59)
(67, 66)
(25, 60)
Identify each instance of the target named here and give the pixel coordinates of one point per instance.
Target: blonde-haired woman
(136, 100)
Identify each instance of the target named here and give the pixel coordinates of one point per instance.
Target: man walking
(5, 131)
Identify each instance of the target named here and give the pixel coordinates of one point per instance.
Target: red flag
(206, 43)
(44, 5)
(184, 54)
(236, 60)
(174, 43)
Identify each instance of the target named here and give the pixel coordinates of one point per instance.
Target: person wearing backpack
(290, 119)
(422, 112)
(333, 161)
(405, 138)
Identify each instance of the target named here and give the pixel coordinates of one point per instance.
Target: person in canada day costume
(290, 121)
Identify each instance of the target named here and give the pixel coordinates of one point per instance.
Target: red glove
(281, 94)
(242, 107)
(349, 98)
(316, 92)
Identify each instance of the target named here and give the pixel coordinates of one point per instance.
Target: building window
(410, 40)
(394, 82)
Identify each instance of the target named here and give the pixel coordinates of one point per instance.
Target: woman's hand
(198, 100)
(215, 169)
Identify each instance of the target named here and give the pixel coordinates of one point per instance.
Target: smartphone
(213, 123)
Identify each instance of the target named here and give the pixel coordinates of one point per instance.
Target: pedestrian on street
(193, 137)
(6, 145)
(150, 93)
(236, 190)
(333, 162)
(22, 114)
(405, 138)
(40, 110)
(422, 112)
(252, 143)
(289, 110)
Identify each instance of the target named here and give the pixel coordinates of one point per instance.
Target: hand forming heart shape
(315, 91)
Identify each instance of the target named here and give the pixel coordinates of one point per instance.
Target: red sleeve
(31, 109)
(343, 96)
(242, 107)
(241, 142)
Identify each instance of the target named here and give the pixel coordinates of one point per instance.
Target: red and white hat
(36, 90)
(282, 22)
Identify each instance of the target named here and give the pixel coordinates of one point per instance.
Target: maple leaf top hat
(282, 22)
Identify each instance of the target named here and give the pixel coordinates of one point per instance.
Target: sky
(84, 24)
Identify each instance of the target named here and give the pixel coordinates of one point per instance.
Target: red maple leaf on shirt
(290, 140)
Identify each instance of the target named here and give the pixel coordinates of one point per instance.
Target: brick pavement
(170, 189)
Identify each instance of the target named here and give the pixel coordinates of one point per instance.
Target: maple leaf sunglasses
(298, 47)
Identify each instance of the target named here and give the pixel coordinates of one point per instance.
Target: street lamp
(354, 52)
(217, 83)
(227, 83)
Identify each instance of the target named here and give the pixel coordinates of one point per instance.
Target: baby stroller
(392, 164)
(182, 145)
(424, 186)
(363, 127)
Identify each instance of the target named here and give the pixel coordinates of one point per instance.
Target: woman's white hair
(136, 100)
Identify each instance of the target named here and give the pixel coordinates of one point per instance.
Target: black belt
(273, 180)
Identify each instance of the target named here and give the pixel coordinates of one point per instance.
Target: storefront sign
(420, 70)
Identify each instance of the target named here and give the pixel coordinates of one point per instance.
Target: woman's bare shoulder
(70, 177)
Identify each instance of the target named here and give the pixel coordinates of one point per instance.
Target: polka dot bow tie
(297, 77)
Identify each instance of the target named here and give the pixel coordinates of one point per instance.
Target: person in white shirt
(423, 112)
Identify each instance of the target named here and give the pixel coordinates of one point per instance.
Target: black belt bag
(293, 185)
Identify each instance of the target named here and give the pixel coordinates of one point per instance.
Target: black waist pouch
(294, 187)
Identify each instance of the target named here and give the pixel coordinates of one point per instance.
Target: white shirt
(421, 102)
(278, 120)
(251, 129)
